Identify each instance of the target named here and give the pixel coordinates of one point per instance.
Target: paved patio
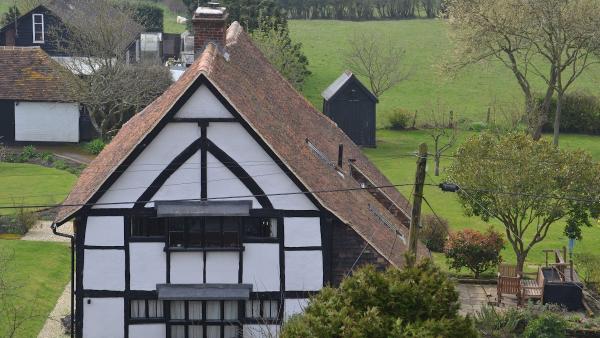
(473, 297)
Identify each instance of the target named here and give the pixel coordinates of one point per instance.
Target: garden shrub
(29, 152)
(434, 232)
(547, 325)
(95, 146)
(60, 164)
(47, 157)
(474, 250)
(392, 303)
(399, 119)
(25, 220)
(580, 113)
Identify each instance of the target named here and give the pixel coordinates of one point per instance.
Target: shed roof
(29, 74)
(339, 83)
(283, 119)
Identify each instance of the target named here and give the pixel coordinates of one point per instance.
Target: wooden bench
(533, 289)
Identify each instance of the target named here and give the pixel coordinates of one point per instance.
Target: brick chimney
(209, 25)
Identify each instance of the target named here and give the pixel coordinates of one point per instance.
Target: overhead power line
(200, 199)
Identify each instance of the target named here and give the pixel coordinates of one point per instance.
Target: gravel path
(42, 232)
(53, 327)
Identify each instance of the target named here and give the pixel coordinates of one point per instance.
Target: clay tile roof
(284, 120)
(29, 74)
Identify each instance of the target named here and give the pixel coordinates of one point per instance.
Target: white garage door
(47, 122)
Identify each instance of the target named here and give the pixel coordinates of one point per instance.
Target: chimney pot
(209, 25)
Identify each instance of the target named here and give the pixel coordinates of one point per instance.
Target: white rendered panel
(104, 230)
(104, 269)
(203, 104)
(302, 231)
(222, 267)
(303, 270)
(184, 183)
(261, 331)
(147, 331)
(103, 318)
(169, 143)
(261, 266)
(294, 306)
(223, 183)
(47, 121)
(233, 139)
(148, 265)
(187, 267)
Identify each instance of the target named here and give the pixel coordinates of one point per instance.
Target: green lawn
(390, 157)
(40, 271)
(31, 184)
(427, 46)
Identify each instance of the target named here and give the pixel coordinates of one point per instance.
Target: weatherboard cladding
(281, 117)
(29, 74)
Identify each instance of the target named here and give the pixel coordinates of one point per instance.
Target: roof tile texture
(29, 74)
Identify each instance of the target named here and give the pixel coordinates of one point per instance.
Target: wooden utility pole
(415, 218)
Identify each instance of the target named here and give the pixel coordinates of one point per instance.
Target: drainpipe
(72, 238)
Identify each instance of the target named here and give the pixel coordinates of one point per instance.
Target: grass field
(390, 157)
(427, 46)
(42, 273)
(30, 184)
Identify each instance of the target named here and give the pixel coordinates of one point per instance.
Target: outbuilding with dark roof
(353, 108)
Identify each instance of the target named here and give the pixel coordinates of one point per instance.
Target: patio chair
(508, 286)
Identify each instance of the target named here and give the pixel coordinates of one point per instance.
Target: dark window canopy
(204, 291)
(202, 208)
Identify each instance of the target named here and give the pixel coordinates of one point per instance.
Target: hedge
(580, 114)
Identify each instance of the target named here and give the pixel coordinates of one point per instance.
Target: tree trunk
(520, 263)
(557, 117)
(437, 165)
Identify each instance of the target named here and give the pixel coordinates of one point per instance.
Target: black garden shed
(352, 106)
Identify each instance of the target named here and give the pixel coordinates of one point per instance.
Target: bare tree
(555, 40)
(112, 89)
(491, 30)
(568, 38)
(379, 60)
(443, 130)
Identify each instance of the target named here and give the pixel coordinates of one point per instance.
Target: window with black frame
(260, 227)
(204, 232)
(147, 227)
(204, 319)
(146, 309)
(262, 310)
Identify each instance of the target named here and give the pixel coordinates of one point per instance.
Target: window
(147, 227)
(146, 309)
(265, 309)
(260, 227)
(204, 232)
(202, 319)
(38, 28)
